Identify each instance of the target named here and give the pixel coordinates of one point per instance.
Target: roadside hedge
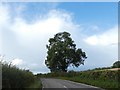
(107, 79)
(13, 77)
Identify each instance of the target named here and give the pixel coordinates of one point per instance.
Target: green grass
(37, 85)
(103, 79)
(107, 84)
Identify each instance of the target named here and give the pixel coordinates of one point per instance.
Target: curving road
(58, 84)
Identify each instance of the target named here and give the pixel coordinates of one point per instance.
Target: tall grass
(13, 77)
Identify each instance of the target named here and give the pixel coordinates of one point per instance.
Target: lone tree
(62, 52)
(116, 64)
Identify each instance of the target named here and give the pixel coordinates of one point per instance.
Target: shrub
(13, 77)
(116, 64)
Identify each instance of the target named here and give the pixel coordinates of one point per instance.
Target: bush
(13, 77)
(116, 64)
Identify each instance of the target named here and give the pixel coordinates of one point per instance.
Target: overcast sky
(25, 29)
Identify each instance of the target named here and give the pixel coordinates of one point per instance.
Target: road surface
(58, 84)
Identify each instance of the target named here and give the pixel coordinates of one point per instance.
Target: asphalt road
(58, 84)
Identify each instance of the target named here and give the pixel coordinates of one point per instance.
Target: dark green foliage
(37, 85)
(103, 68)
(13, 77)
(116, 64)
(62, 52)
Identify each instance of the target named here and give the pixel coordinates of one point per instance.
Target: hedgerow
(107, 79)
(13, 77)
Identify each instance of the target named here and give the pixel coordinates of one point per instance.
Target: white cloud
(102, 48)
(4, 14)
(51, 25)
(4, 17)
(109, 37)
(42, 29)
(17, 61)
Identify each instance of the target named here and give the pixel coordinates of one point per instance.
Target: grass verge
(37, 85)
(108, 85)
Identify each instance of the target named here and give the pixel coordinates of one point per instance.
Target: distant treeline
(13, 77)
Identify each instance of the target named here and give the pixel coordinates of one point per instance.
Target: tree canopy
(116, 64)
(62, 53)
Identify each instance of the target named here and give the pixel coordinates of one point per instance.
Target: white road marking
(42, 88)
(64, 86)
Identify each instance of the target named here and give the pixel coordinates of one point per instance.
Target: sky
(25, 28)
